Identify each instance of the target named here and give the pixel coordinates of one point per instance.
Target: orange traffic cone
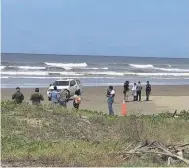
(124, 109)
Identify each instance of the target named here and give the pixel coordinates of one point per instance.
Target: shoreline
(105, 85)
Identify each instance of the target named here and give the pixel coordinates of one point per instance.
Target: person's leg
(127, 96)
(124, 97)
(147, 96)
(139, 96)
(111, 112)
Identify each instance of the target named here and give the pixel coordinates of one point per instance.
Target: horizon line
(94, 55)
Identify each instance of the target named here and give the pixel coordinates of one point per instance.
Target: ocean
(40, 70)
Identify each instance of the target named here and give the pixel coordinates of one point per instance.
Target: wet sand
(163, 98)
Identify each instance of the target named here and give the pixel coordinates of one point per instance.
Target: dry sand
(163, 98)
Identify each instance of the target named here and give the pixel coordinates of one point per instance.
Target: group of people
(62, 98)
(136, 92)
(56, 97)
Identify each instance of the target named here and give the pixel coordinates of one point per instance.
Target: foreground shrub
(49, 135)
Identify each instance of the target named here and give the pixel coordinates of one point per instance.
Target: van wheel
(49, 98)
(68, 94)
(79, 91)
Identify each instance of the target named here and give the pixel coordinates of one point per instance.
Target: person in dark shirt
(148, 90)
(36, 97)
(139, 90)
(126, 91)
(18, 97)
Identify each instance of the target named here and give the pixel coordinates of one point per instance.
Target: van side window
(78, 81)
(72, 83)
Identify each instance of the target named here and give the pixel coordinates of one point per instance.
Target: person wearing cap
(148, 90)
(55, 96)
(139, 90)
(36, 97)
(18, 97)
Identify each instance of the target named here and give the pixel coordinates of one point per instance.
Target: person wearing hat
(148, 90)
(36, 97)
(18, 97)
(139, 90)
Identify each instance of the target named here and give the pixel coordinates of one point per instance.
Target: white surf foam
(104, 73)
(66, 66)
(105, 68)
(157, 74)
(38, 73)
(2, 67)
(30, 67)
(141, 66)
(149, 66)
(55, 77)
(172, 69)
(112, 73)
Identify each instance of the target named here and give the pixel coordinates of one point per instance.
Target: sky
(152, 28)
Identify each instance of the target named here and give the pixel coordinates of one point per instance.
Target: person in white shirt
(110, 95)
(134, 90)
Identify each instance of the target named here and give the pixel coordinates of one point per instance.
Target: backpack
(148, 87)
(126, 86)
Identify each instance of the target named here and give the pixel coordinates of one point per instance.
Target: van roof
(64, 79)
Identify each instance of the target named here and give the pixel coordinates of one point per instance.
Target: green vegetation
(50, 135)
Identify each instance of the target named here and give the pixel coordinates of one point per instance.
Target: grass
(50, 135)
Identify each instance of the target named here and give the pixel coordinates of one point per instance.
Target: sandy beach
(163, 98)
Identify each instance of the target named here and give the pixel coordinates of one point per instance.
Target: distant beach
(163, 98)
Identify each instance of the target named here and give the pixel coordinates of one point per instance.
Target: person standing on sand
(139, 90)
(76, 99)
(55, 96)
(18, 97)
(126, 91)
(111, 96)
(134, 90)
(148, 90)
(36, 97)
(63, 100)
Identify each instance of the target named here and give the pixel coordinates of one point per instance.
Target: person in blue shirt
(110, 95)
(55, 96)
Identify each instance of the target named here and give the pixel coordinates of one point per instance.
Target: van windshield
(61, 83)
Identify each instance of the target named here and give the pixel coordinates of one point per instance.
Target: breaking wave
(2, 67)
(101, 73)
(38, 73)
(150, 66)
(141, 66)
(66, 66)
